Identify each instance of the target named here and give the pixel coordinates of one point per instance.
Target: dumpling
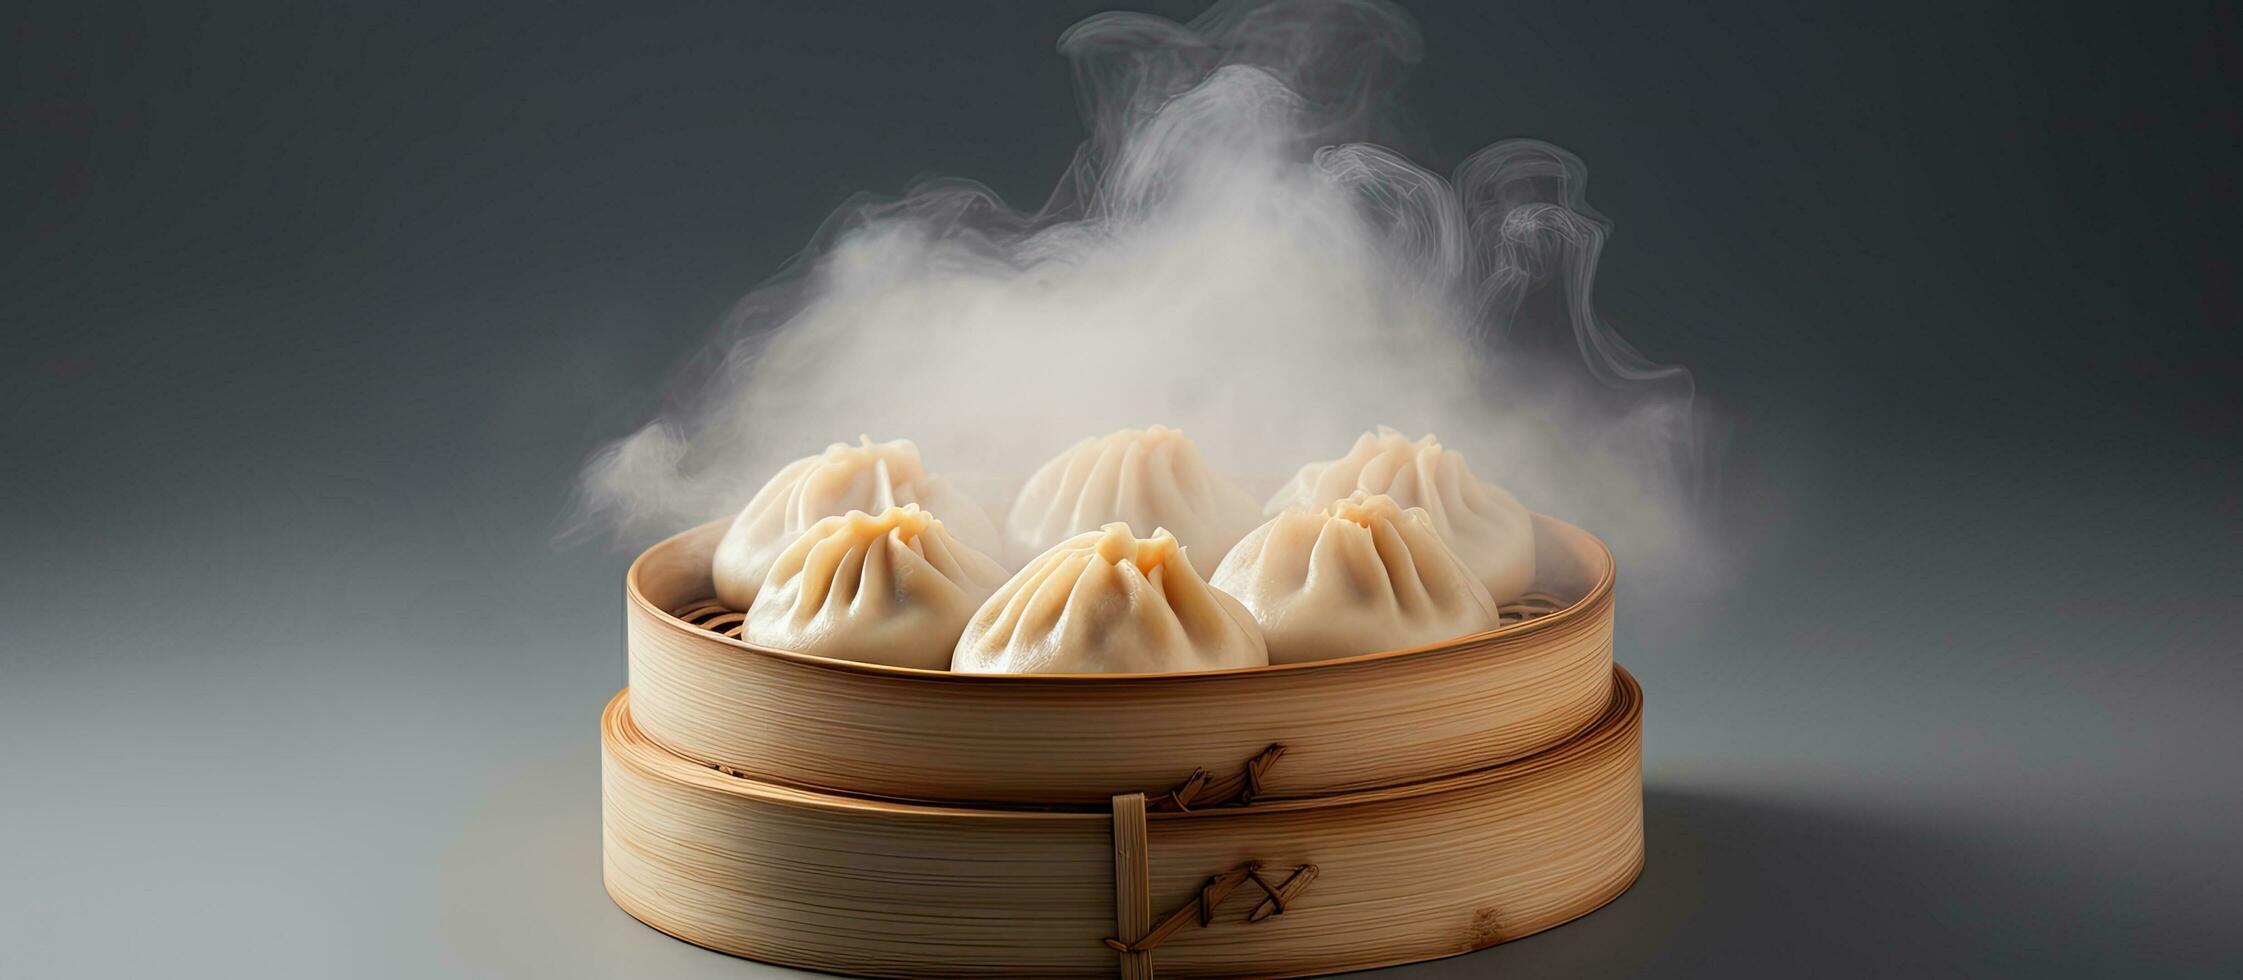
(1359, 576)
(1486, 526)
(893, 588)
(870, 476)
(1109, 602)
(1140, 477)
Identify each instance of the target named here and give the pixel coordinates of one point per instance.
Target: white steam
(1223, 259)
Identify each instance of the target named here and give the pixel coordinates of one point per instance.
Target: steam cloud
(1229, 254)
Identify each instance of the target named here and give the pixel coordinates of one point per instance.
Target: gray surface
(309, 319)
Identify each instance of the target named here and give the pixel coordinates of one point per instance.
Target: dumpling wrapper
(1482, 522)
(1140, 477)
(1360, 576)
(869, 477)
(1109, 602)
(893, 588)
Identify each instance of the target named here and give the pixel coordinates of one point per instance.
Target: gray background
(311, 314)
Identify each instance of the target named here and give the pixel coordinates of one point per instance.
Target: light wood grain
(1349, 724)
(888, 888)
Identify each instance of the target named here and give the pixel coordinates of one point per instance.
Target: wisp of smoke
(1230, 255)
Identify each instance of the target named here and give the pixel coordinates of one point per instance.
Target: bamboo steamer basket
(1275, 887)
(1378, 720)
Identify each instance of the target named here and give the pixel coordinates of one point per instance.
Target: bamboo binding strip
(1133, 887)
(883, 888)
(1078, 740)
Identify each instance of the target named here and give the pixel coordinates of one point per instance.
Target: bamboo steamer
(1288, 887)
(1358, 723)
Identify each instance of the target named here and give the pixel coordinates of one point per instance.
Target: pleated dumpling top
(869, 477)
(1145, 478)
(1482, 522)
(1109, 602)
(890, 588)
(1360, 576)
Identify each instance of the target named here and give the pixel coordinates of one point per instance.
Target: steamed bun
(1482, 522)
(1360, 576)
(870, 476)
(1150, 478)
(1109, 602)
(891, 588)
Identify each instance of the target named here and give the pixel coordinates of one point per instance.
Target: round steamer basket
(1272, 888)
(1284, 731)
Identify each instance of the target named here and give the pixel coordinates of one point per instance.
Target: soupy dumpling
(1360, 576)
(1149, 478)
(890, 588)
(1482, 522)
(870, 476)
(1109, 602)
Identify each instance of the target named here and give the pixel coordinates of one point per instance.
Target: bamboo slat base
(880, 888)
(1351, 724)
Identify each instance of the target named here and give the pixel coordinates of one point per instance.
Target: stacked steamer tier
(1284, 820)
